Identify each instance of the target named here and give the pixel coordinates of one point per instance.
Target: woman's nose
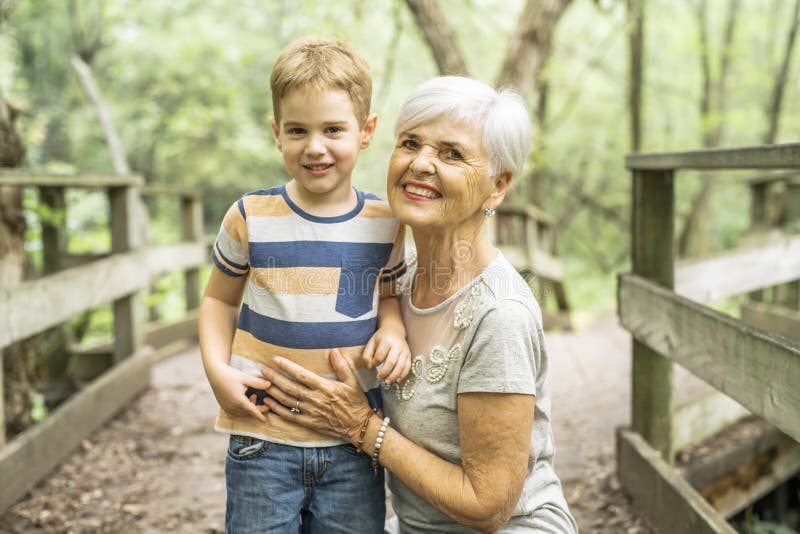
(423, 162)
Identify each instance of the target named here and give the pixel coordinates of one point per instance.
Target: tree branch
(781, 78)
(439, 36)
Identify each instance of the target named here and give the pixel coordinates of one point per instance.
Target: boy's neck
(330, 204)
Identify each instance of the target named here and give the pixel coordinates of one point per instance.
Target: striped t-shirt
(313, 284)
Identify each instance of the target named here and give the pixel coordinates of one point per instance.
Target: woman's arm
(495, 432)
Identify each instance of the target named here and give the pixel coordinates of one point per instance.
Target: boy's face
(320, 137)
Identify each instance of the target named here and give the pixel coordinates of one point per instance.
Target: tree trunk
(636, 72)
(439, 36)
(531, 44)
(712, 110)
(15, 401)
(776, 100)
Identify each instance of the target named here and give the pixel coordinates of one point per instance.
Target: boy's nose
(315, 146)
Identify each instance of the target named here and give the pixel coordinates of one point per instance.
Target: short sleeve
(504, 354)
(230, 253)
(396, 265)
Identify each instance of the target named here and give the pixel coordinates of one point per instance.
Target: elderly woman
(466, 438)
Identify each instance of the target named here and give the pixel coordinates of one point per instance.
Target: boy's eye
(296, 131)
(410, 144)
(334, 129)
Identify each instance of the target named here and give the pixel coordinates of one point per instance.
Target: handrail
(35, 178)
(786, 156)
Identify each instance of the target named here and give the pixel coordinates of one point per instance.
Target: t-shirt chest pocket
(357, 285)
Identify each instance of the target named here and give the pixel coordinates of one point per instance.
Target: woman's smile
(421, 192)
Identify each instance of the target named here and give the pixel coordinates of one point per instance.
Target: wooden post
(54, 249)
(124, 237)
(653, 227)
(758, 199)
(192, 212)
(2, 404)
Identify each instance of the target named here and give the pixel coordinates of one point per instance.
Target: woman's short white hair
(500, 115)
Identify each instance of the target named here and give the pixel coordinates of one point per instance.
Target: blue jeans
(274, 488)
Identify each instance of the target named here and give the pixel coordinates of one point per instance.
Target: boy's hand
(229, 385)
(388, 348)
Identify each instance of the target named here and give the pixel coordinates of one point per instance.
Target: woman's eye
(452, 153)
(410, 144)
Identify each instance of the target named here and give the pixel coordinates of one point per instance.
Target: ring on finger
(296, 408)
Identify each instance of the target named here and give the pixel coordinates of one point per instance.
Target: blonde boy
(313, 264)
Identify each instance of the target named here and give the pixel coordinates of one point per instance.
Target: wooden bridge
(662, 303)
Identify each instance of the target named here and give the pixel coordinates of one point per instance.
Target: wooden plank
(528, 210)
(2, 404)
(773, 177)
(653, 228)
(772, 318)
(36, 305)
(168, 190)
(739, 271)
(785, 156)
(660, 493)
(37, 178)
(703, 416)
(33, 454)
(755, 368)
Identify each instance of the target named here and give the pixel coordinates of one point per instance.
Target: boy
(310, 259)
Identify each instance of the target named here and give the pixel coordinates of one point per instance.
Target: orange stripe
(274, 427)
(376, 209)
(266, 206)
(298, 280)
(234, 224)
(315, 360)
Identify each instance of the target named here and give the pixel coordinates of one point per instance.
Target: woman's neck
(448, 261)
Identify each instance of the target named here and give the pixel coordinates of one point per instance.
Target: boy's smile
(320, 136)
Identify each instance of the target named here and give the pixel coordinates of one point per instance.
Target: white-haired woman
(466, 437)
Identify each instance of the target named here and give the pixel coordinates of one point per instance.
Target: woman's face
(438, 175)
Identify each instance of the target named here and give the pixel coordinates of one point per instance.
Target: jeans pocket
(245, 447)
(350, 449)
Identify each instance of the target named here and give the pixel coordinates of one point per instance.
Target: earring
(489, 211)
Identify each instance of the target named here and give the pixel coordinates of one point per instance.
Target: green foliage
(187, 84)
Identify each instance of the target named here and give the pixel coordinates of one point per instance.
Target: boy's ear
(275, 131)
(368, 130)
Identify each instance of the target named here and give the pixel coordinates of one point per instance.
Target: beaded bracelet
(378, 442)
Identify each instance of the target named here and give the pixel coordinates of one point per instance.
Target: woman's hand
(334, 408)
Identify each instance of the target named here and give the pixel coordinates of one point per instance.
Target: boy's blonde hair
(322, 64)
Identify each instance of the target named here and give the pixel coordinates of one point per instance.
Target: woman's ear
(501, 184)
(275, 131)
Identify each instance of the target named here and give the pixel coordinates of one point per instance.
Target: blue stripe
(272, 191)
(325, 220)
(226, 260)
(318, 254)
(393, 276)
(306, 335)
(241, 208)
(372, 196)
(222, 267)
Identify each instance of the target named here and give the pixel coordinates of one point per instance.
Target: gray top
(486, 338)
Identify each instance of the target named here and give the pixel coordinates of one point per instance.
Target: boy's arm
(388, 346)
(219, 310)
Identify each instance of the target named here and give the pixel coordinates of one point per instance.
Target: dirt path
(159, 466)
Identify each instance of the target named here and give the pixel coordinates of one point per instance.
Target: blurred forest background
(186, 83)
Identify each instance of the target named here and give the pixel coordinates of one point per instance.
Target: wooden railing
(72, 285)
(526, 236)
(757, 369)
